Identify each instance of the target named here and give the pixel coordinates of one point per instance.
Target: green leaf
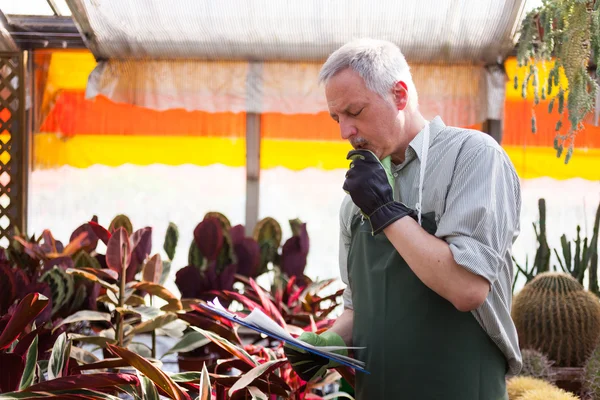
(96, 340)
(160, 291)
(91, 277)
(171, 239)
(337, 395)
(227, 345)
(84, 260)
(140, 349)
(173, 329)
(149, 391)
(166, 269)
(59, 356)
(153, 324)
(189, 376)
(205, 386)
(84, 315)
(22, 395)
(152, 269)
(156, 375)
(254, 374)
(147, 312)
(257, 393)
(82, 355)
(30, 363)
(189, 342)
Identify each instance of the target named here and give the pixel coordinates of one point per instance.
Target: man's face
(366, 120)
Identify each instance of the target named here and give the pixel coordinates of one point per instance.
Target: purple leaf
(118, 251)
(227, 277)
(92, 238)
(141, 242)
(247, 252)
(25, 312)
(208, 236)
(8, 285)
(22, 282)
(88, 381)
(43, 288)
(12, 367)
(189, 282)
(237, 233)
(294, 254)
(101, 232)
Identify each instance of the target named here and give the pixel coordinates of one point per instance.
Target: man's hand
(368, 184)
(308, 365)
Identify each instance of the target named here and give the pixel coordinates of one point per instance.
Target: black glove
(368, 184)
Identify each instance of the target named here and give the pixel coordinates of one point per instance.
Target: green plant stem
(153, 334)
(122, 279)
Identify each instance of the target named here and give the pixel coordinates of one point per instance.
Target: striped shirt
(472, 188)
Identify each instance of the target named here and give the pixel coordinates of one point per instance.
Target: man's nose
(347, 129)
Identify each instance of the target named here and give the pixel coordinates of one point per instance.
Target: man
(425, 247)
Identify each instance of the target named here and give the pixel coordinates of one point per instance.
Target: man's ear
(400, 95)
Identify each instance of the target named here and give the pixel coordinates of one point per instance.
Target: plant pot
(195, 363)
(569, 379)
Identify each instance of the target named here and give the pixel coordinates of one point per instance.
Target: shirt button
(395, 174)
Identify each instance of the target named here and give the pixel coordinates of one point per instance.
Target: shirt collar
(415, 146)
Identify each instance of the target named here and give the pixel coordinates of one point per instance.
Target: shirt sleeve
(481, 216)
(344, 245)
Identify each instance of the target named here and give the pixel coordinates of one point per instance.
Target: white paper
(260, 320)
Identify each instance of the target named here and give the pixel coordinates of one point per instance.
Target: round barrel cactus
(555, 315)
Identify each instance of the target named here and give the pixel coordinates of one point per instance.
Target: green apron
(418, 345)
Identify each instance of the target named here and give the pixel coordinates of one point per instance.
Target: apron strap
(424, 151)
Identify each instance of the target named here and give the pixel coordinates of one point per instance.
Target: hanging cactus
(555, 315)
(121, 221)
(536, 365)
(171, 239)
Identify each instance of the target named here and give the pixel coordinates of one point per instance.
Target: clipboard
(330, 356)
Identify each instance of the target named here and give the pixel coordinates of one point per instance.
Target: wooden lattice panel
(12, 139)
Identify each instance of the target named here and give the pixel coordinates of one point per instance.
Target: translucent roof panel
(26, 7)
(34, 7)
(425, 30)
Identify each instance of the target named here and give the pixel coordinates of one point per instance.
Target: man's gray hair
(380, 63)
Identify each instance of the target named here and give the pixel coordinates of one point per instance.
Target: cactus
(593, 275)
(541, 262)
(574, 264)
(537, 365)
(519, 385)
(548, 394)
(121, 221)
(591, 374)
(555, 315)
(268, 235)
(171, 239)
